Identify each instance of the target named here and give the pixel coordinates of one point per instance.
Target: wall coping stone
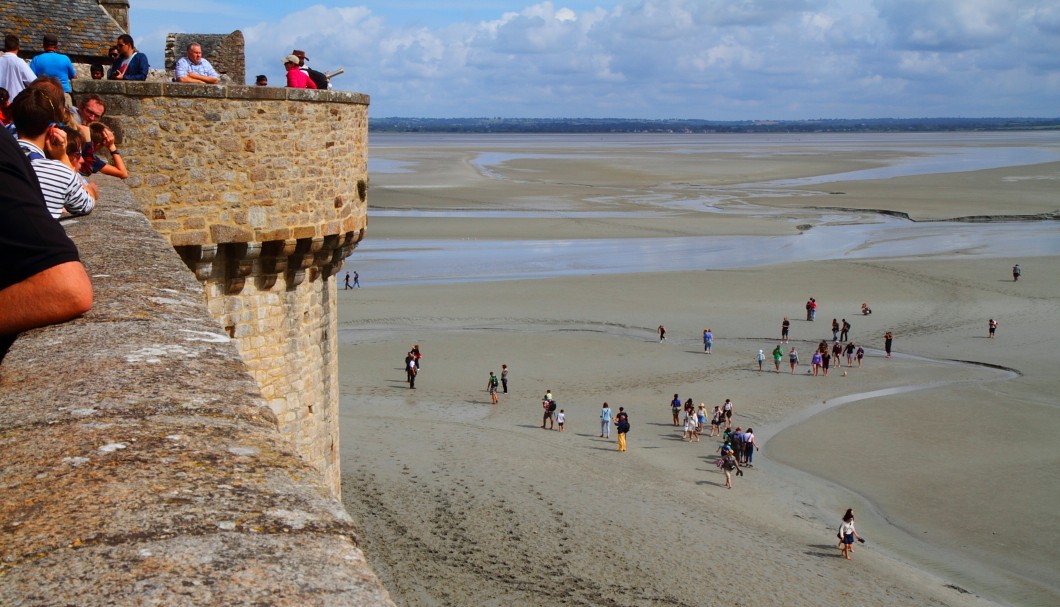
(139, 463)
(215, 91)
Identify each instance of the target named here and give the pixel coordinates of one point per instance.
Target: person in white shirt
(15, 74)
(193, 69)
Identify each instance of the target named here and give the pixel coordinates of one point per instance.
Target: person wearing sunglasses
(130, 64)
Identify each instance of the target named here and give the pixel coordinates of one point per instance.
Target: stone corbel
(239, 264)
(199, 259)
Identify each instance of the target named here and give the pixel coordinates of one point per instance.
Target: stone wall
(139, 464)
(262, 191)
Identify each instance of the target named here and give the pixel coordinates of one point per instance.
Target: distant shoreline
(690, 126)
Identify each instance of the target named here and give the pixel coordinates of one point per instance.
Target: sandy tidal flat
(945, 451)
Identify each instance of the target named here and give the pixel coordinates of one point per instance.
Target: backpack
(493, 380)
(318, 78)
(551, 405)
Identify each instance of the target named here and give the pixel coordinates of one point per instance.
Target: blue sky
(713, 59)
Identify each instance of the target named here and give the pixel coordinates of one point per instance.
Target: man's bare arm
(55, 295)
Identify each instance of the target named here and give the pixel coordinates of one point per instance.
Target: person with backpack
(491, 385)
(320, 79)
(550, 408)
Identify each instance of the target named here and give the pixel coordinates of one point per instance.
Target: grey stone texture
(139, 464)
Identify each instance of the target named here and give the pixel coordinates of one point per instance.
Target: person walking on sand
(1016, 272)
(793, 358)
(728, 464)
(750, 445)
(356, 279)
(849, 514)
(491, 386)
(549, 407)
(622, 426)
(708, 341)
(662, 333)
(690, 425)
(888, 340)
(815, 362)
(993, 327)
(860, 355)
(504, 377)
(785, 327)
(778, 355)
(715, 421)
(847, 533)
(605, 421)
(761, 358)
(835, 330)
(727, 410)
(701, 417)
(675, 409)
(844, 333)
(561, 418)
(347, 285)
(849, 351)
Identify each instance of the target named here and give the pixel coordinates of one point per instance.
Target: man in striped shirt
(34, 116)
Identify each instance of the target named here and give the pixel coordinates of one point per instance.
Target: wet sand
(465, 503)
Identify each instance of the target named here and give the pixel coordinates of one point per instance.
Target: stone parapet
(139, 462)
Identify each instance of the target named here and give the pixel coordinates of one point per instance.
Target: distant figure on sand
(860, 355)
(993, 327)
(847, 533)
(662, 333)
(347, 286)
(561, 418)
(761, 358)
(550, 408)
(356, 279)
(708, 341)
(728, 464)
(793, 358)
(784, 328)
(622, 425)
(1016, 272)
(491, 386)
(835, 330)
(605, 421)
(778, 355)
(675, 409)
(504, 378)
(865, 309)
(888, 340)
(727, 409)
(844, 333)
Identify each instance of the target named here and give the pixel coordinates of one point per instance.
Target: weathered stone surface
(139, 463)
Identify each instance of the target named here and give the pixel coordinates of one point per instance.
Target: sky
(651, 59)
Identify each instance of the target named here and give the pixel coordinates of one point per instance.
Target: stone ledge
(138, 461)
(215, 91)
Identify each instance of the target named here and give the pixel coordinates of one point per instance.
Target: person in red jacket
(296, 78)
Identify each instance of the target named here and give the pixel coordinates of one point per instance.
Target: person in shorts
(561, 417)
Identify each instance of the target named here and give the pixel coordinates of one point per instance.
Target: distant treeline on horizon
(623, 125)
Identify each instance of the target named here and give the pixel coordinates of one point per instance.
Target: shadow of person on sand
(832, 551)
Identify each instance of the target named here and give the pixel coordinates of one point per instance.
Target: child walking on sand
(561, 417)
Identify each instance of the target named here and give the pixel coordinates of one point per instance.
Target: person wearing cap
(296, 78)
(193, 69)
(14, 73)
(131, 64)
(54, 64)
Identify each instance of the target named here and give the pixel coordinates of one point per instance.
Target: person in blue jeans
(708, 341)
(605, 421)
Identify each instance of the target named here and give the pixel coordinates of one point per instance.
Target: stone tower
(262, 191)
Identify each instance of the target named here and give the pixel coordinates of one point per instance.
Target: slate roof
(84, 28)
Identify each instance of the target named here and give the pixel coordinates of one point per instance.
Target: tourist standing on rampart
(296, 78)
(35, 112)
(194, 69)
(131, 64)
(15, 75)
(55, 64)
(89, 111)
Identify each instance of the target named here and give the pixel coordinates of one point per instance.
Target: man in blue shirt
(131, 64)
(54, 64)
